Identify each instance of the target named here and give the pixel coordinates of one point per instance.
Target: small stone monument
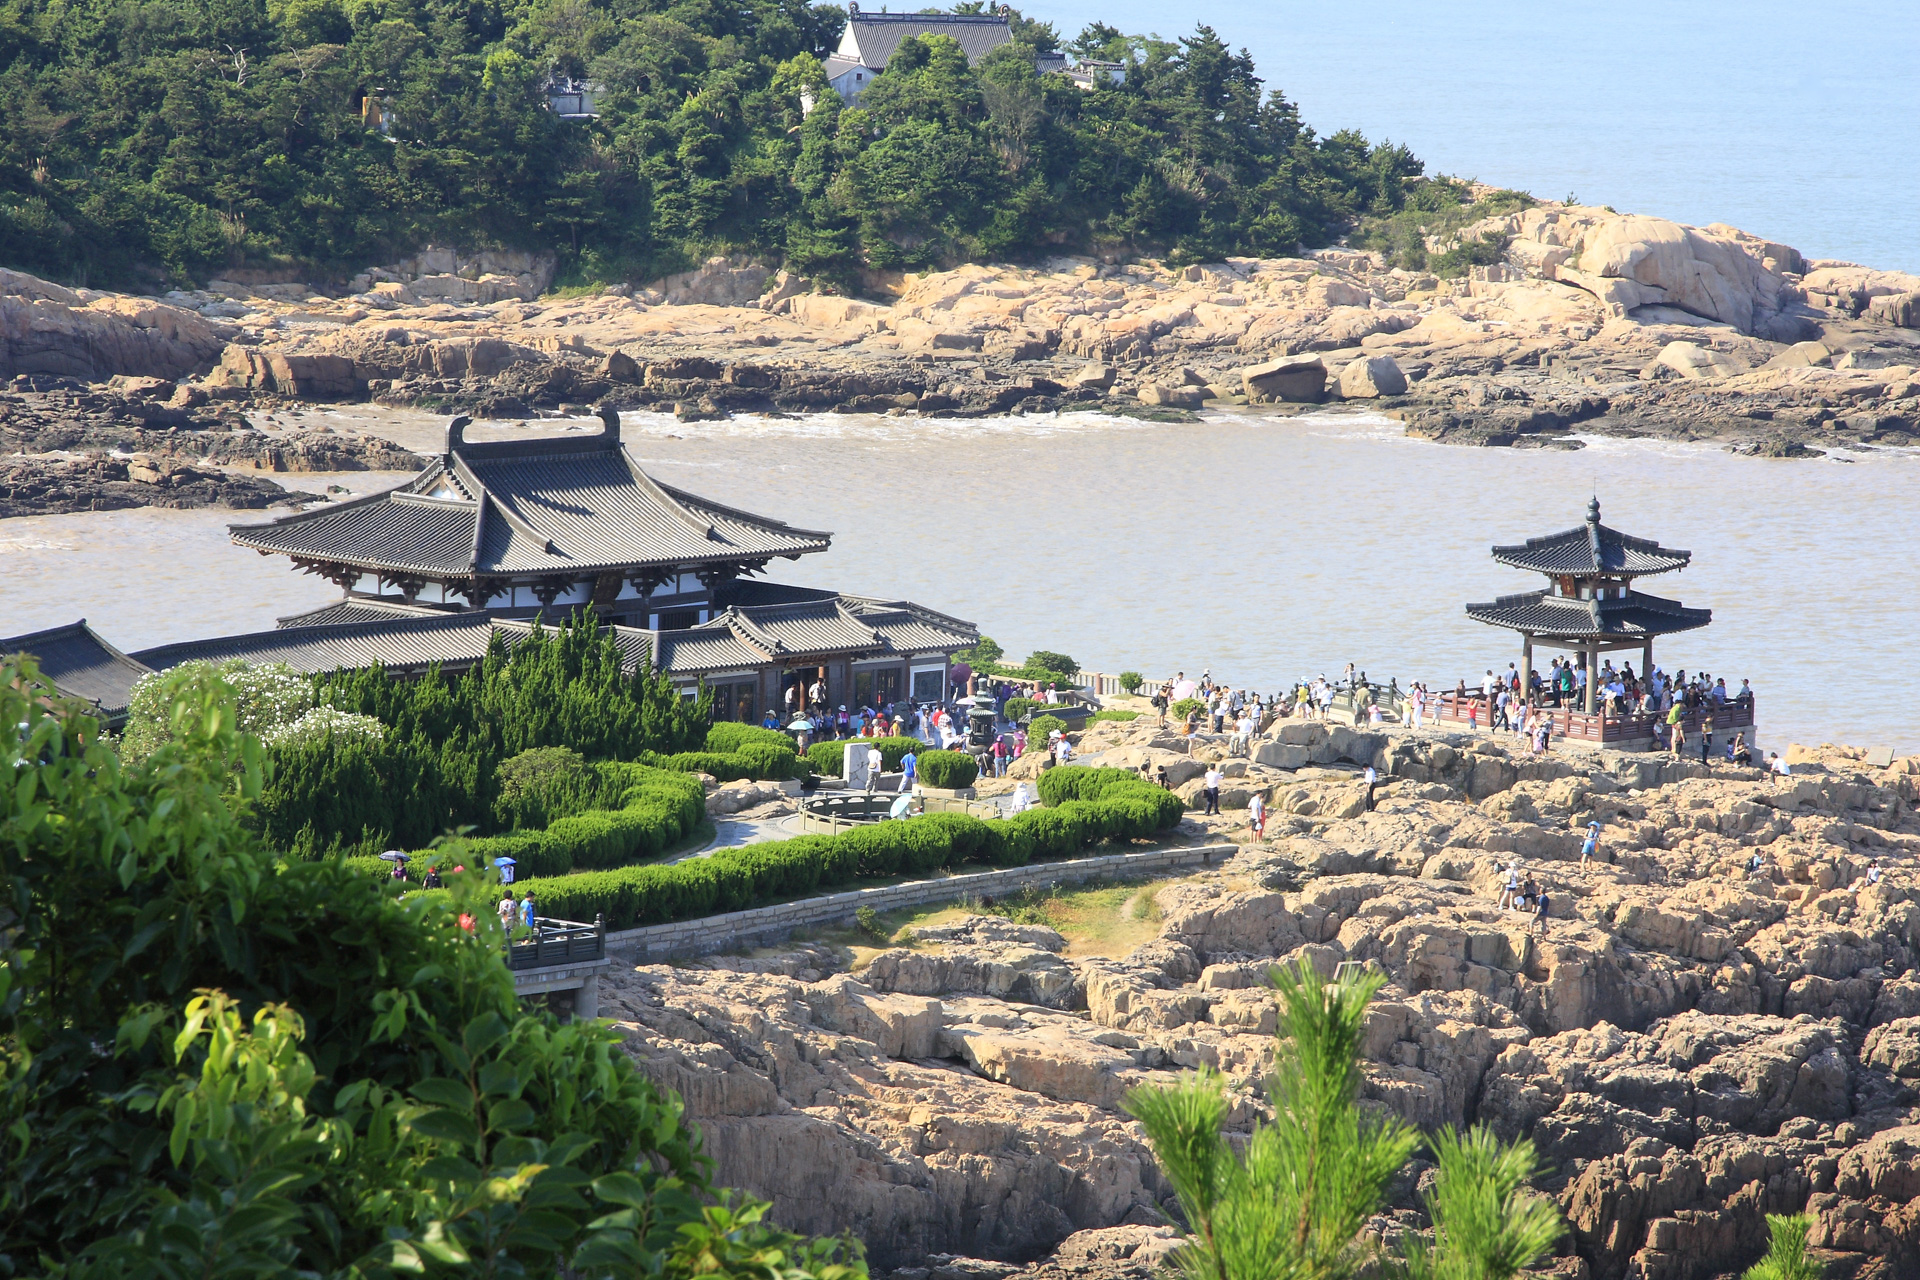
(853, 765)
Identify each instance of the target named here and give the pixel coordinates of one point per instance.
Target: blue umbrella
(505, 862)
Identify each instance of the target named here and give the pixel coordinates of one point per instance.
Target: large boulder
(1690, 360)
(1633, 261)
(1901, 309)
(1371, 377)
(1289, 378)
(45, 329)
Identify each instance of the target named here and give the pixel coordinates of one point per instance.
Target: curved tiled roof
(81, 665)
(408, 640)
(1543, 614)
(1592, 548)
(522, 508)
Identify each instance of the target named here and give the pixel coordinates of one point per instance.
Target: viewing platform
(1601, 728)
(560, 956)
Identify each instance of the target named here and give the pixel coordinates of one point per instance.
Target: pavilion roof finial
(1593, 510)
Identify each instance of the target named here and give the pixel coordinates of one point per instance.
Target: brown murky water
(1266, 549)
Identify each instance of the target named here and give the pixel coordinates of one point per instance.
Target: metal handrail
(555, 942)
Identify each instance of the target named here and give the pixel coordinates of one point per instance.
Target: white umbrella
(394, 855)
(1185, 689)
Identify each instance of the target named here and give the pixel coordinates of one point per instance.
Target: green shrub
(1059, 664)
(1098, 804)
(827, 757)
(1017, 708)
(1041, 729)
(727, 737)
(755, 761)
(1130, 681)
(949, 769)
(1186, 707)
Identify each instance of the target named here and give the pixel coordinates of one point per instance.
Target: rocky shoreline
(1690, 1045)
(1592, 323)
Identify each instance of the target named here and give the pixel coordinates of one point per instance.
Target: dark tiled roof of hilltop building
(401, 644)
(871, 38)
(551, 505)
(1636, 614)
(353, 610)
(81, 665)
(1592, 548)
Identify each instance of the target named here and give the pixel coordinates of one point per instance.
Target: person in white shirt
(1873, 872)
(1242, 734)
(1776, 765)
(1212, 786)
(1373, 780)
(1257, 817)
(1063, 751)
(1511, 888)
(876, 763)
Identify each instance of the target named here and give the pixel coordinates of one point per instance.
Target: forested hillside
(150, 139)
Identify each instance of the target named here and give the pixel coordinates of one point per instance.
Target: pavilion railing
(554, 942)
(1597, 726)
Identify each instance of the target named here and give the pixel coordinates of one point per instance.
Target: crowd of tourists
(1513, 705)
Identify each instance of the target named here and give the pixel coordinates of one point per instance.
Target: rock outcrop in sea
(1691, 1045)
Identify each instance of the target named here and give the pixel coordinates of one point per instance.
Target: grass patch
(1102, 918)
(1116, 715)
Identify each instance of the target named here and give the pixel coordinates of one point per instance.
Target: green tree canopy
(213, 1063)
(143, 140)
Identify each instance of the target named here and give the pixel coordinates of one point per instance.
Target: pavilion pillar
(1646, 658)
(1526, 664)
(1593, 672)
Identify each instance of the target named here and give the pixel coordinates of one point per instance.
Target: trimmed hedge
(949, 769)
(827, 757)
(1018, 707)
(757, 761)
(1042, 728)
(729, 737)
(1107, 804)
(658, 808)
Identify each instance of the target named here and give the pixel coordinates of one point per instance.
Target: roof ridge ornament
(1593, 531)
(457, 433)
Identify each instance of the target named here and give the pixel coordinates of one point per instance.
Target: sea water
(1264, 548)
(1789, 120)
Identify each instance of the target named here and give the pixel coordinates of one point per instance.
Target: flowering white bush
(267, 697)
(325, 722)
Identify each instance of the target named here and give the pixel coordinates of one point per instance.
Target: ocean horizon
(1795, 123)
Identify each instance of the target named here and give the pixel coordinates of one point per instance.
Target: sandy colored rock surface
(1690, 1046)
(1593, 322)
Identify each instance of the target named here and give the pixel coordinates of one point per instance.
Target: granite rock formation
(1691, 1044)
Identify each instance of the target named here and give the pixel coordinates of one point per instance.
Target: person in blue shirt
(769, 721)
(1591, 848)
(526, 910)
(909, 767)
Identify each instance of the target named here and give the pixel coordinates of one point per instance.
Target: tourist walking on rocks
(1873, 871)
(1539, 921)
(1257, 816)
(1778, 766)
(1373, 781)
(1511, 889)
(1211, 786)
(1590, 847)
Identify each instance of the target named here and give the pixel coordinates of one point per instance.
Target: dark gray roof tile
(82, 665)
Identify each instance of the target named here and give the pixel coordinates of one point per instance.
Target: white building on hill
(871, 38)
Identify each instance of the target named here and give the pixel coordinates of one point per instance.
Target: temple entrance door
(799, 681)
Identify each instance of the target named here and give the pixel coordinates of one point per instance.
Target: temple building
(1590, 605)
(494, 535)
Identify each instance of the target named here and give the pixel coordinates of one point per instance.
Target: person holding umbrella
(399, 861)
(506, 866)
